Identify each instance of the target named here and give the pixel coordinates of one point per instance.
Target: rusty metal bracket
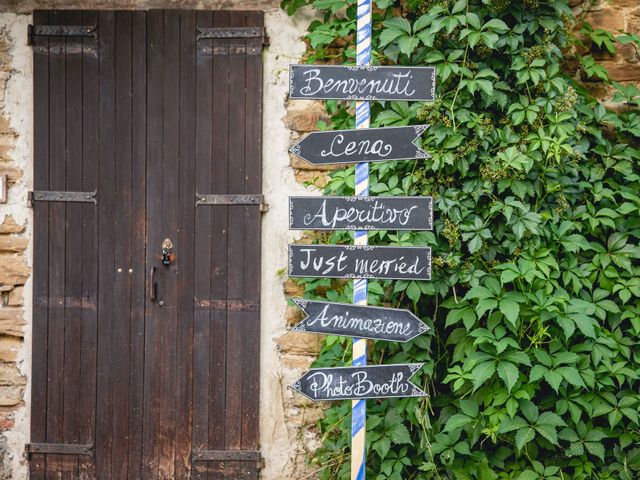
(240, 199)
(60, 31)
(229, 50)
(255, 40)
(199, 455)
(51, 196)
(230, 32)
(59, 449)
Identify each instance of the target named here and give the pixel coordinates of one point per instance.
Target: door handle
(153, 286)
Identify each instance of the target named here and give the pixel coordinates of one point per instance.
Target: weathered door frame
(161, 85)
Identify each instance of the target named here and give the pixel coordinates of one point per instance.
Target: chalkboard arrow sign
(360, 213)
(360, 261)
(346, 320)
(355, 383)
(342, 82)
(362, 145)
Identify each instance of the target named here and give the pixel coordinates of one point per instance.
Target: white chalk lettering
(365, 326)
(321, 264)
(324, 385)
(338, 148)
(377, 213)
(397, 84)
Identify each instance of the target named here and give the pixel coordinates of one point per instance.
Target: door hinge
(60, 31)
(200, 455)
(233, 32)
(59, 449)
(256, 39)
(240, 199)
(51, 196)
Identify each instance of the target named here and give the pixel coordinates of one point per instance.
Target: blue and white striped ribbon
(359, 407)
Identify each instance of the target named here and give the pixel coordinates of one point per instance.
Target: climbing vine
(532, 362)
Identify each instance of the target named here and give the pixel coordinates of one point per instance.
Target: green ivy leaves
(491, 296)
(487, 34)
(531, 424)
(532, 364)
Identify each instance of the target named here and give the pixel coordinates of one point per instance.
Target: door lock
(167, 252)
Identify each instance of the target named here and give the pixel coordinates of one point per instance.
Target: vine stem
(464, 59)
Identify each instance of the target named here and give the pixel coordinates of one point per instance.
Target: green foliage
(532, 364)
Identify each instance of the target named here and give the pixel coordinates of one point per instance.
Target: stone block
(607, 18)
(624, 3)
(13, 243)
(625, 72)
(629, 53)
(299, 363)
(6, 421)
(299, 343)
(300, 164)
(15, 298)
(5, 127)
(12, 321)
(316, 178)
(10, 396)
(292, 289)
(9, 347)
(9, 225)
(13, 174)
(303, 115)
(13, 270)
(599, 90)
(633, 21)
(10, 375)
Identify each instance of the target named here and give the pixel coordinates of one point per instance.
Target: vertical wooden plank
(155, 109)
(106, 207)
(185, 261)
(89, 249)
(236, 253)
(40, 245)
(252, 235)
(121, 216)
(57, 147)
(138, 241)
(202, 248)
(73, 265)
(169, 221)
(219, 238)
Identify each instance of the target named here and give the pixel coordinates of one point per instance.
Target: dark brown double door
(143, 370)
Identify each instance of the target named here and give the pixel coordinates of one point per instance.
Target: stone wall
(15, 128)
(613, 16)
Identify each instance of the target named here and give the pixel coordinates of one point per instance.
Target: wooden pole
(359, 407)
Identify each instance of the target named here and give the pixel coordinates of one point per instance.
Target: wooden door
(147, 134)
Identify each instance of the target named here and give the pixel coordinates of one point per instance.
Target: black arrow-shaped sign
(360, 261)
(363, 145)
(354, 383)
(362, 82)
(360, 213)
(392, 324)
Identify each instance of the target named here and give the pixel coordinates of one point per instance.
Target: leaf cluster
(533, 364)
